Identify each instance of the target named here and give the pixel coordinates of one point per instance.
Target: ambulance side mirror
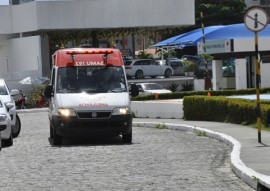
(48, 91)
(134, 91)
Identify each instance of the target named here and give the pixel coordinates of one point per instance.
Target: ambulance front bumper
(76, 127)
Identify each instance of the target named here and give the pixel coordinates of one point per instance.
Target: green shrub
(173, 86)
(187, 86)
(223, 109)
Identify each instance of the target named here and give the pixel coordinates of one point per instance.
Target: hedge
(223, 109)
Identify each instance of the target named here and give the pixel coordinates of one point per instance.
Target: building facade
(30, 26)
(261, 3)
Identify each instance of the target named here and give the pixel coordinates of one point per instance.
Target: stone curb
(248, 175)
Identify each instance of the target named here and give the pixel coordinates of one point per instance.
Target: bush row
(223, 109)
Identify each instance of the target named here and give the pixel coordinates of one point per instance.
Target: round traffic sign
(256, 19)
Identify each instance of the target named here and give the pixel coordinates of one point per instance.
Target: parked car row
(140, 68)
(10, 124)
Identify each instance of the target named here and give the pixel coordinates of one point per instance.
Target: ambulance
(89, 95)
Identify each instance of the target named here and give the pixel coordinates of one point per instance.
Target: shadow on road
(86, 141)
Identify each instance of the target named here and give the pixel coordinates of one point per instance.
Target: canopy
(219, 32)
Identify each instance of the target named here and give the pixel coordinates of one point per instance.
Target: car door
(156, 68)
(178, 67)
(147, 68)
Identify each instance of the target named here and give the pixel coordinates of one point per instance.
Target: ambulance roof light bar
(89, 52)
(104, 52)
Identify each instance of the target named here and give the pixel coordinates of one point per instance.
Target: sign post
(256, 19)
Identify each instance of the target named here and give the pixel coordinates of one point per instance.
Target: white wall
(5, 19)
(265, 77)
(241, 73)
(217, 74)
(248, 44)
(24, 59)
(98, 14)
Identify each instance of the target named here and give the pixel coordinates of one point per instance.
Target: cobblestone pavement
(158, 159)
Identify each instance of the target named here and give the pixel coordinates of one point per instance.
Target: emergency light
(90, 52)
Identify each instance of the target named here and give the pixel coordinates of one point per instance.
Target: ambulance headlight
(121, 111)
(66, 112)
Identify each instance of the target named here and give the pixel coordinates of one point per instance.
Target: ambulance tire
(57, 139)
(127, 138)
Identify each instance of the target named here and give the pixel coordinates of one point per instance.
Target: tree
(219, 12)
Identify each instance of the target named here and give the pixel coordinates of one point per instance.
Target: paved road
(158, 159)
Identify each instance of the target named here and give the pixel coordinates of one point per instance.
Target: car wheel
(168, 73)
(0, 142)
(51, 132)
(57, 139)
(9, 141)
(127, 138)
(16, 129)
(139, 74)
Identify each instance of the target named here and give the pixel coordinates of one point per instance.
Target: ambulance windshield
(91, 79)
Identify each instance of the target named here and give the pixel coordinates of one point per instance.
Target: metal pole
(207, 83)
(258, 84)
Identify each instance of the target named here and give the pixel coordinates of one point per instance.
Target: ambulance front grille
(94, 115)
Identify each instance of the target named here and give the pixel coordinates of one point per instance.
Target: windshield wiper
(118, 90)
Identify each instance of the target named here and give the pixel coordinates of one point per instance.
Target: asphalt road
(158, 159)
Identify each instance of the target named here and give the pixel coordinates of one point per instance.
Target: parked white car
(176, 64)
(139, 68)
(5, 124)
(7, 97)
(151, 88)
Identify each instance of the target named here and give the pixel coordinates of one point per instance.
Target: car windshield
(3, 89)
(152, 87)
(91, 79)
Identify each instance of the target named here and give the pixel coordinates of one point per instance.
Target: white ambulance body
(89, 95)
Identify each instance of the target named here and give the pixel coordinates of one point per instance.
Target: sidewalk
(250, 160)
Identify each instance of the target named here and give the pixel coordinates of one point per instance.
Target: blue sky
(4, 2)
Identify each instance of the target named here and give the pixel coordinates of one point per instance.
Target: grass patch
(161, 126)
(201, 133)
(255, 126)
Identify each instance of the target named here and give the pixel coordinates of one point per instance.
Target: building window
(228, 67)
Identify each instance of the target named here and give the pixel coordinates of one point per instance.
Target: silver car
(139, 68)
(7, 97)
(5, 124)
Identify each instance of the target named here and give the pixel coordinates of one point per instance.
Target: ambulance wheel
(127, 138)
(57, 139)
